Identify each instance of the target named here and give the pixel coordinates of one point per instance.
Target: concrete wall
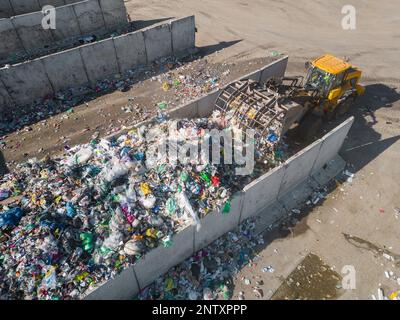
(114, 12)
(88, 63)
(123, 286)
(258, 197)
(299, 166)
(9, 39)
(5, 9)
(183, 37)
(159, 260)
(332, 142)
(25, 81)
(62, 77)
(100, 60)
(263, 191)
(130, 50)
(216, 223)
(24, 33)
(158, 42)
(9, 8)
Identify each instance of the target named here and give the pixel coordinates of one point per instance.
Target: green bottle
(227, 207)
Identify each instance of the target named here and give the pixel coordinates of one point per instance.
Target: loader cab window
(319, 79)
(338, 80)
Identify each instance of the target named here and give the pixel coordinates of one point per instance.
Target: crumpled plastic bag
(11, 217)
(82, 156)
(184, 203)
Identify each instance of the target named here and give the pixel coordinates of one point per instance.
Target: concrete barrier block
(54, 3)
(123, 287)
(216, 223)
(66, 24)
(298, 196)
(256, 76)
(131, 51)
(158, 42)
(330, 170)
(274, 70)
(65, 69)
(114, 12)
(24, 6)
(269, 216)
(299, 167)
(71, 1)
(187, 111)
(159, 260)
(90, 17)
(206, 104)
(332, 143)
(183, 34)
(9, 42)
(5, 9)
(262, 192)
(31, 32)
(100, 60)
(26, 81)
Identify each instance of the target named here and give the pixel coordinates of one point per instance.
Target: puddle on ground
(312, 279)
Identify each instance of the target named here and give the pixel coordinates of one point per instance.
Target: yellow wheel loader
(328, 90)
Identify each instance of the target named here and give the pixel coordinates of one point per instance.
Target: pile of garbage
(77, 220)
(192, 81)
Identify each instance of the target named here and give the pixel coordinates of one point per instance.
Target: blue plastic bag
(11, 217)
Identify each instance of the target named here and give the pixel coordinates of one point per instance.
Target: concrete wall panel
(54, 3)
(275, 70)
(262, 192)
(9, 41)
(85, 17)
(216, 223)
(206, 104)
(332, 142)
(28, 6)
(269, 216)
(183, 34)
(90, 17)
(299, 166)
(26, 81)
(131, 51)
(66, 23)
(158, 42)
(5, 9)
(187, 111)
(256, 76)
(65, 69)
(123, 286)
(100, 60)
(25, 6)
(114, 12)
(31, 32)
(5, 101)
(71, 1)
(156, 262)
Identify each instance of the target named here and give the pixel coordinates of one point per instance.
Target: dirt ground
(241, 36)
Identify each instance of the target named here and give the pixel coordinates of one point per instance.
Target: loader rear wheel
(309, 126)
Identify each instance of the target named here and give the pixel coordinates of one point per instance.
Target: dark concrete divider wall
(9, 8)
(24, 33)
(23, 83)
